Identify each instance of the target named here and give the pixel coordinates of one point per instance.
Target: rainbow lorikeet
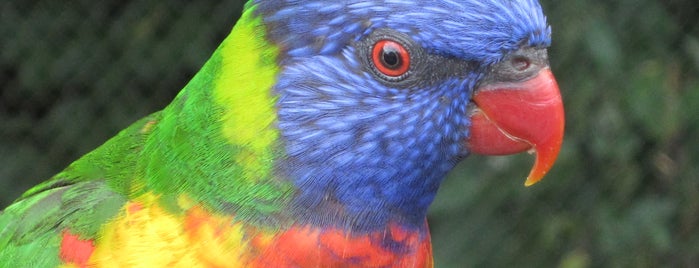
(315, 136)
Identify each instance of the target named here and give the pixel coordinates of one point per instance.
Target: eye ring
(390, 58)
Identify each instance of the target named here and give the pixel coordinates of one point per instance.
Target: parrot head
(376, 101)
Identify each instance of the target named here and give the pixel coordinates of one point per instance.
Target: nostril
(520, 63)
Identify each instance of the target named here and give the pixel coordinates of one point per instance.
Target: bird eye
(390, 58)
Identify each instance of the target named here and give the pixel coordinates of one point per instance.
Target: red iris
(390, 58)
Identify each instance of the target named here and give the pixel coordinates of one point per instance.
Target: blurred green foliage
(624, 193)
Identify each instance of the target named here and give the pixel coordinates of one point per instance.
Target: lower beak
(516, 117)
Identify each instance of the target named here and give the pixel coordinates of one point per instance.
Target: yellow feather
(244, 89)
(145, 235)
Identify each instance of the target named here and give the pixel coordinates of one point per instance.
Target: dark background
(624, 193)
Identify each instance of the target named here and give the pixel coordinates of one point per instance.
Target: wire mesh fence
(625, 191)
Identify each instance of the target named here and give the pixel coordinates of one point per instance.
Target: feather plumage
(287, 149)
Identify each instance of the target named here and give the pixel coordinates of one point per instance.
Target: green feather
(215, 141)
(82, 197)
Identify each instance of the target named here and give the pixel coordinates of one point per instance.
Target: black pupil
(390, 57)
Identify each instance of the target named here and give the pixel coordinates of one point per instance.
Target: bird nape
(316, 135)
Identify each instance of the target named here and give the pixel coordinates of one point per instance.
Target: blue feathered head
(374, 97)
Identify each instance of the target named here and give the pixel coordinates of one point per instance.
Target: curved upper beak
(515, 117)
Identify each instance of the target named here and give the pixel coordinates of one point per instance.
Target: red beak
(515, 117)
